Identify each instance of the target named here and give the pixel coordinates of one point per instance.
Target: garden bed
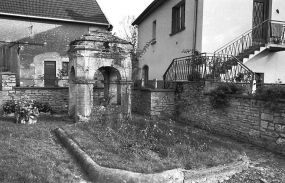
(148, 146)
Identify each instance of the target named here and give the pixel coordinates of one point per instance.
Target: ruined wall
(245, 119)
(156, 103)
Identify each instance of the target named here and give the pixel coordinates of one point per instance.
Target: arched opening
(71, 75)
(112, 87)
(145, 73)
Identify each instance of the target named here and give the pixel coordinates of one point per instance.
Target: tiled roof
(151, 8)
(71, 10)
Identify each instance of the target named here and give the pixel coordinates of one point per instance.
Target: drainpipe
(195, 26)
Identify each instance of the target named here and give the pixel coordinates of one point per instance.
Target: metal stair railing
(255, 38)
(215, 67)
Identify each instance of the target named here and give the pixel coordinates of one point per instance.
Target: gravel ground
(264, 167)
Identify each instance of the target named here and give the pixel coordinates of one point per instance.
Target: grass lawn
(149, 146)
(30, 153)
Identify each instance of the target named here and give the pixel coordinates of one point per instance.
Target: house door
(260, 14)
(49, 73)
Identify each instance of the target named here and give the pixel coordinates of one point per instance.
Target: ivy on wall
(271, 95)
(219, 96)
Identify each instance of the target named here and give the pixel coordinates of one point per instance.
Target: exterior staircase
(269, 35)
(227, 64)
(250, 53)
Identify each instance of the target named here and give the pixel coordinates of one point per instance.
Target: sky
(116, 10)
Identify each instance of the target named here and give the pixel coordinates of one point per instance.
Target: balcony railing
(215, 67)
(268, 32)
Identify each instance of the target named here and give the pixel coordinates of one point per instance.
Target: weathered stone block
(278, 120)
(267, 117)
(271, 126)
(272, 135)
(264, 124)
(278, 128)
(280, 141)
(7, 88)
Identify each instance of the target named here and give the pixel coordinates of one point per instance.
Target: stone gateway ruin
(99, 52)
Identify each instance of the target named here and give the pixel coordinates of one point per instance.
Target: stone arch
(72, 75)
(124, 74)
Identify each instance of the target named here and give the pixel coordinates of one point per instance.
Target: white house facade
(250, 30)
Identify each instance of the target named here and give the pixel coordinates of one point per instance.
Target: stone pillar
(72, 99)
(7, 88)
(84, 102)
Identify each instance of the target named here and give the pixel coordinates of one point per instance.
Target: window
(260, 78)
(145, 74)
(65, 68)
(178, 17)
(154, 30)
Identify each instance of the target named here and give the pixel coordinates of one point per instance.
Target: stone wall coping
(187, 81)
(245, 96)
(155, 90)
(7, 73)
(41, 88)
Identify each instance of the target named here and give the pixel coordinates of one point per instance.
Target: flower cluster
(26, 112)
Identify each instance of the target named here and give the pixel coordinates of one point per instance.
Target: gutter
(56, 19)
(195, 26)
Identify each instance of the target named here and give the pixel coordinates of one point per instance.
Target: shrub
(43, 107)
(271, 94)
(11, 106)
(219, 96)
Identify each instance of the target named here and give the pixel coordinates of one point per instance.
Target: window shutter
(154, 30)
(173, 19)
(182, 16)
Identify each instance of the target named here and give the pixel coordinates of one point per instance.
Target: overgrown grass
(29, 154)
(148, 146)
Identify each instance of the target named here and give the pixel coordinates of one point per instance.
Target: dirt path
(264, 167)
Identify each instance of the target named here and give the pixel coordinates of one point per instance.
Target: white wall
(269, 63)
(280, 5)
(223, 21)
(159, 55)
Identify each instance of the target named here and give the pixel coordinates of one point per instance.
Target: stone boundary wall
(245, 119)
(57, 97)
(153, 102)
